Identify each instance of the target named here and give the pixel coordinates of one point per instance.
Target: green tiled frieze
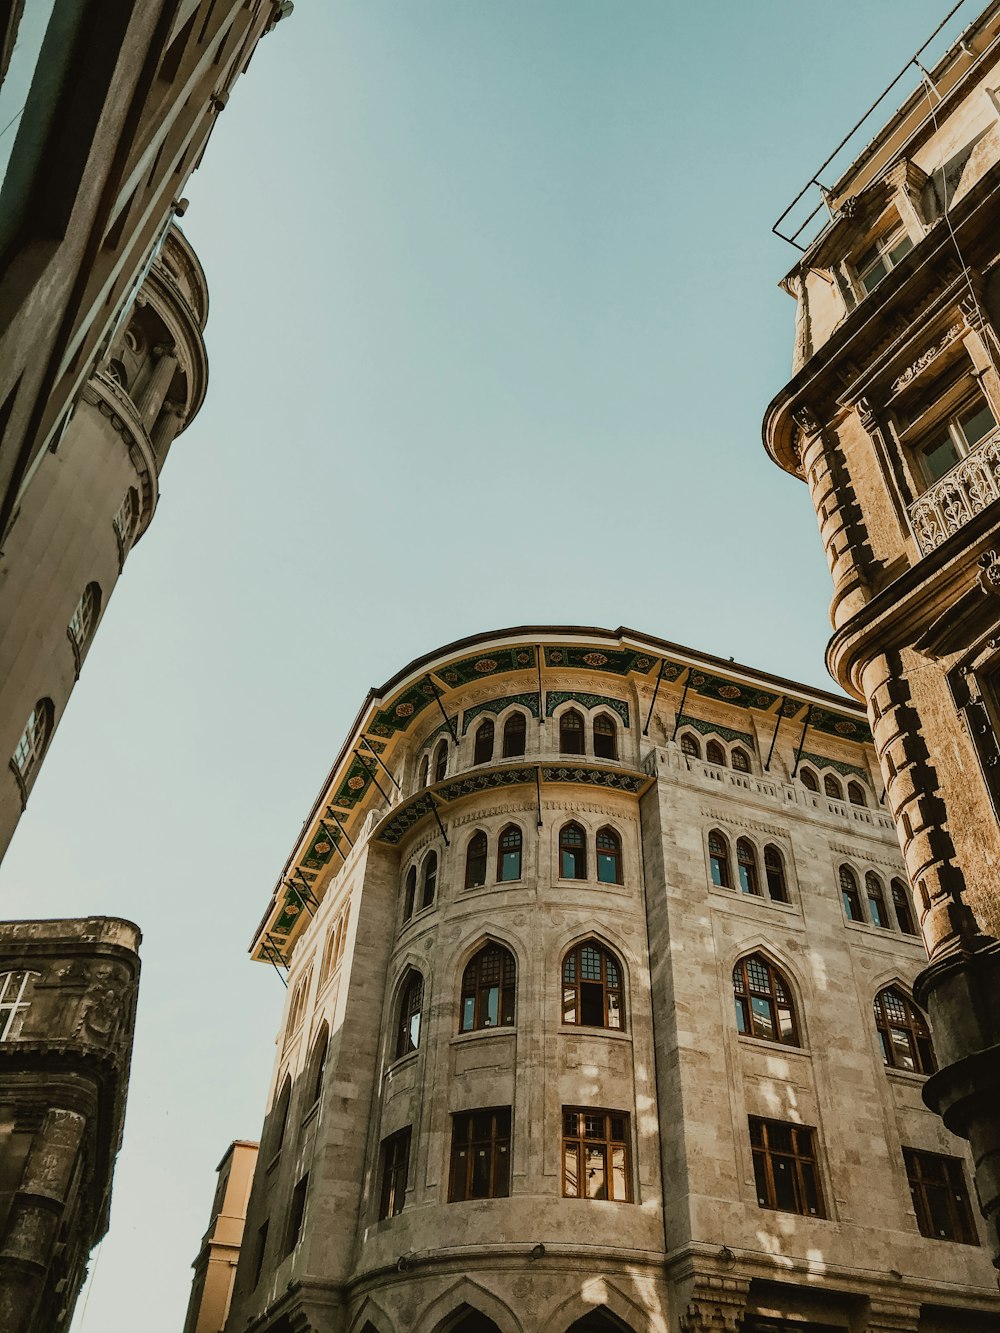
(847, 770)
(399, 715)
(836, 724)
(496, 706)
(743, 696)
(619, 662)
(492, 663)
(714, 729)
(594, 777)
(553, 698)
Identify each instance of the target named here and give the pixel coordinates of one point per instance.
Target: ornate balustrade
(964, 491)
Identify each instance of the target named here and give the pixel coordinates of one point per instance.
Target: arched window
(33, 740)
(425, 769)
(903, 1033)
(849, 894)
(297, 1007)
(345, 916)
(832, 787)
(484, 742)
(411, 1003)
(117, 372)
(572, 852)
(410, 893)
(605, 737)
(774, 872)
(475, 860)
(715, 753)
(317, 1066)
(741, 760)
(509, 854)
(746, 864)
(764, 1006)
(280, 1116)
(690, 746)
(441, 761)
(904, 910)
(856, 794)
(718, 859)
(571, 732)
(430, 880)
(609, 856)
(593, 995)
(876, 901)
(488, 985)
(126, 519)
(808, 779)
(514, 735)
(84, 618)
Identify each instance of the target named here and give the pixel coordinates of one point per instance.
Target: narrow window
(940, 1196)
(746, 864)
(833, 788)
(883, 255)
(605, 737)
(904, 910)
(488, 986)
(509, 854)
(411, 1004)
(480, 1155)
(395, 1169)
(609, 856)
(125, 520)
(425, 768)
(514, 736)
(876, 901)
(774, 870)
(596, 1155)
(410, 893)
(784, 1167)
(296, 1213)
(715, 753)
(280, 1115)
(318, 1066)
(430, 880)
(593, 996)
(33, 740)
(903, 1033)
(764, 1005)
(690, 746)
(475, 860)
(849, 894)
(571, 732)
(808, 779)
(572, 852)
(718, 859)
(484, 742)
(345, 916)
(261, 1251)
(741, 760)
(441, 761)
(856, 794)
(84, 618)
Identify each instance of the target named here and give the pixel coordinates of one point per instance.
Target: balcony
(954, 499)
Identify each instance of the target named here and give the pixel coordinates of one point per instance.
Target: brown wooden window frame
(572, 732)
(484, 741)
(582, 980)
(441, 760)
(901, 898)
(411, 1008)
(740, 759)
(608, 855)
(715, 753)
(605, 736)
(857, 795)
(471, 1141)
(850, 895)
(878, 913)
(573, 847)
(428, 890)
(510, 843)
(394, 1157)
(809, 780)
(690, 746)
(832, 787)
(607, 1134)
(911, 1025)
(410, 893)
(478, 984)
(800, 1161)
(515, 735)
(719, 864)
(317, 1066)
(477, 859)
(746, 867)
(756, 978)
(946, 1176)
(296, 1213)
(775, 873)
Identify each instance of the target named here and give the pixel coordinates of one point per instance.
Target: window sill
(790, 909)
(590, 884)
(761, 1043)
(905, 1075)
(476, 890)
(479, 1033)
(581, 1030)
(883, 932)
(400, 1063)
(421, 912)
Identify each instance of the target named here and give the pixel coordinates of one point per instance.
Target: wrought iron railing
(964, 491)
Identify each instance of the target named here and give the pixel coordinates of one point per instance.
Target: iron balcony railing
(964, 491)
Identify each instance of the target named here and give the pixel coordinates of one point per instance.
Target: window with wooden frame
(903, 905)
(715, 753)
(395, 1157)
(903, 1033)
(774, 873)
(410, 893)
(572, 852)
(509, 854)
(593, 993)
(856, 794)
(596, 1154)
(480, 1155)
(741, 760)
(876, 262)
(609, 856)
(605, 737)
(33, 740)
(808, 779)
(746, 866)
(441, 761)
(430, 880)
(571, 732)
(832, 787)
(850, 896)
(785, 1168)
(718, 859)
(483, 751)
(411, 1004)
(875, 893)
(514, 735)
(690, 746)
(476, 857)
(489, 983)
(764, 1007)
(940, 1196)
(425, 766)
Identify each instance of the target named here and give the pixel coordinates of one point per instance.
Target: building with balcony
(891, 418)
(91, 498)
(599, 1016)
(215, 1266)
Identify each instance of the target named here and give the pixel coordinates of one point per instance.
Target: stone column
(717, 1305)
(158, 383)
(168, 425)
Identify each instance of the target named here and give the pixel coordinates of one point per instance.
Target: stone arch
(788, 968)
(463, 1301)
(592, 929)
(371, 1318)
(599, 1300)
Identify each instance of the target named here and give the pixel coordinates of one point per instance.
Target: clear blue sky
(494, 321)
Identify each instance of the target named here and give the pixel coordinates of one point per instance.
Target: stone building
(215, 1266)
(891, 420)
(67, 1009)
(90, 500)
(599, 1016)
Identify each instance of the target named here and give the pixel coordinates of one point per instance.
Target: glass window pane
(901, 247)
(501, 1172)
(763, 1019)
(746, 879)
(619, 1189)
(976, 422)
(614, 1011)
(607, 868)
(718, 876)
(902, 1050)
(569, 1006)
(597, 1182)
(492, 1006)
(741, 1022)
(571, 1173)
(784, 1184)
(760, 1177)
(468, 1012)
(480, 1173)
(940, 456)
(874, 275)
(510, 866)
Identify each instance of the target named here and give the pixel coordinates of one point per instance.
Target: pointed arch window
(903, 904)
(410, 893)
(509, 854)
(609, 856)
(876, 901)
(856, 794)
(808, 779)
(297, 1007)
(690, 746)
(571, 732)
(774, 873)
(425, 770)
(903, 1033)
(746, 864)
(411, 1004)
(593, 994)
(605, 737)
(430, 880)
(715, 753)
(514, 732)
(741, 760)
(476, 855)
(441, 761)
(488, 986)
(483, 752)
(33, 741)
(280, 1116)
(832, 788)
(764, 1007)
(317, 1066)
(850, 895)
(718, 859)
(572, 852)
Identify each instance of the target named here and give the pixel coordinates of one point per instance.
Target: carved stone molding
(717, 1305)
